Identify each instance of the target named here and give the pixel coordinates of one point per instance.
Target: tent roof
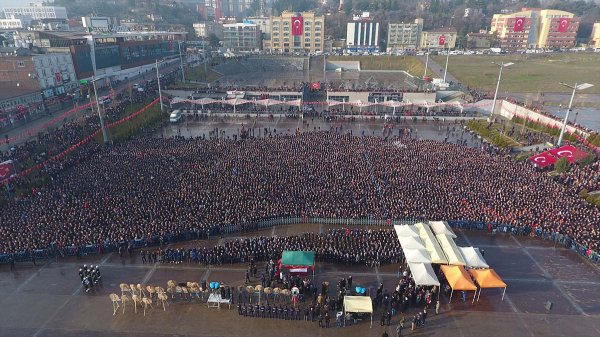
(411, 242)
(487, 278)
(417, 256)
(457, 277)
(451, 250)
(406, 231)
(473, 257)
(441, 227)
(423, 274)
(358, 304)
(297, 258)
(431, 244)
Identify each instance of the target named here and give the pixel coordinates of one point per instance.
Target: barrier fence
(55, 251)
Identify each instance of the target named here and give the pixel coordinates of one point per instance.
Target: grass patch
(530, 73)
(592, 199)
(197, 74)
(594, 138)
(410, 64)
(148, 119)
(492, 134)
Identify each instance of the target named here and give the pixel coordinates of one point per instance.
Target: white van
(175, 116)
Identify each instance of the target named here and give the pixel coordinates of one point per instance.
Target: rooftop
(442, 30)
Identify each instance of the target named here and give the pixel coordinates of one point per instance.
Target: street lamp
(159, 90)
(447, 59)
(104, 132)
(501, 65)
(575, 87)
(426, 63)
(181, 62)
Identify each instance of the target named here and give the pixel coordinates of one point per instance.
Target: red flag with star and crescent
(442, 40)
(6, 169)
(297, 25)
(543, 159)
(563, 25)
(519, 24)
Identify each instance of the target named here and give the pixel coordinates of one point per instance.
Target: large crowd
(154, 187)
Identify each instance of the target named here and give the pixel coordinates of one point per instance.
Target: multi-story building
(533, 28)
(404, 36)
(439, 38)
(54, 73)
(595, 37)
(204, 29)
(99, 24)
(263, 23)
(297, 32)
(241, 37)
(10, 24)
(362, 36)
(37, 11)
(112, 56)
(480, 40)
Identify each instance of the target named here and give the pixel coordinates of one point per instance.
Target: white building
(37, 11)
(362, 36)
(11, 24)
(55, 73)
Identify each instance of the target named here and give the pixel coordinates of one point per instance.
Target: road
(31, 129)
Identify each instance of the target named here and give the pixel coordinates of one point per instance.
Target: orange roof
(457, 277)
(487, 278)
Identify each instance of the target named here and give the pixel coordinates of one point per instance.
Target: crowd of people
(342, 246)
(582, 178)
(153, 187)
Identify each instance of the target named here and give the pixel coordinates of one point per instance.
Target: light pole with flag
(575, 88)
(104, 131)
(502, 66)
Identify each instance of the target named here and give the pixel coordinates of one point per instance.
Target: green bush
(491, 134)
(542, 128)
(562, 165)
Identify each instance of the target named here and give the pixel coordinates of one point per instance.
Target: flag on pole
(297, 25)
(563, 25)
(442, 40)
(519, 24)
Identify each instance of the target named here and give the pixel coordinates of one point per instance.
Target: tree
(213, 40)
(562, 165)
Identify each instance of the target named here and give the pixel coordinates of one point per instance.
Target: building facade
(404, 36)
(297, 32)
(204, 29)
(53, 74)
(536, 28)
(432, 39)
(10, 24)
(37, 11)
(595, 37)
(480, 40)
(362, 36)
(241, 37)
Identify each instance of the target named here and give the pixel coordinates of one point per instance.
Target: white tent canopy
(268, 102)
(359, 304)
(473, 257)
(406, 231)
(411, 242)
(441, 227)
(431, 244)
(417, 256)
(423, 274)
(451, 251)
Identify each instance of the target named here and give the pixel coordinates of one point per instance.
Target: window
(21, 64)
(307, 34)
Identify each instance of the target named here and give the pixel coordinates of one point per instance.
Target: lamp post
(159, 90)
(181, 62)
(426, 63)
(447, 59)
(501, 65)
(575, 87)
(104, 132)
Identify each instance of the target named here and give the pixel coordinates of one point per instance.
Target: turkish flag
(297, 25)
(543, 159)
(442, 40)
(315, 86)
(519, 24)
(563, 25)
(58, 77)
(570, 152)
(6, 169)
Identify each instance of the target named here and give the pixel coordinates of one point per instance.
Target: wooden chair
(146, 302)
(135, 298)
(163, 298)
(141, 290)
(124, 288)
(125, 299)
(115, 302)
(151, 291)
